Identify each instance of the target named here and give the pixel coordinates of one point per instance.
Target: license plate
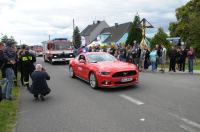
(126, 79)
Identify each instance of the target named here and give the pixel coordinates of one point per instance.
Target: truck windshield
(59, 46)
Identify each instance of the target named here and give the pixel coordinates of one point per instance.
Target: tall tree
(5, 39)
(76, 38)
(187, 25)
(160, 38)
(135, 34)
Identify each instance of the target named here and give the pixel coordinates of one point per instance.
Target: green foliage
(160, 38)
(135, 33)
(76, 38)
(188, 24)
(5, 39)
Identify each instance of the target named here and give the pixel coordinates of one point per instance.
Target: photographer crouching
(39, 85)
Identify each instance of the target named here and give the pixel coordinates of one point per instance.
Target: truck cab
(57, 50)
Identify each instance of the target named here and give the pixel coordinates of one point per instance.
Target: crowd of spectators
(145, 58)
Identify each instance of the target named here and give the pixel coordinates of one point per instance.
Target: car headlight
(105, 73)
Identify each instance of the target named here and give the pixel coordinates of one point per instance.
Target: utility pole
(73, 32)
(49, 37)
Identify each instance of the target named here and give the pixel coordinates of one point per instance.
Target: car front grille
(124, 73)
(69, 55)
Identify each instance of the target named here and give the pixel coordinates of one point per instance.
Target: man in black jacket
(2, 60)
(173, 55)
(39, 85)
(27, 61)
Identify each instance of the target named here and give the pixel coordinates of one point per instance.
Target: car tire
(71, 72)
(93, 81)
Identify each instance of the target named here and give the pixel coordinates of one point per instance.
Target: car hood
(114, 66)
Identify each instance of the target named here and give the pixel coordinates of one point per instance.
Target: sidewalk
(195, 72)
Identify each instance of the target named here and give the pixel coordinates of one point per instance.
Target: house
(115, 34)
(91, 32)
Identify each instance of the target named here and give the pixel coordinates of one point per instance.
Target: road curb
(177, 73)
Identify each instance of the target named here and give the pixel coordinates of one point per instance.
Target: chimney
(116, 25)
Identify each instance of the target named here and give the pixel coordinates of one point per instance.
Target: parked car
(101, 69)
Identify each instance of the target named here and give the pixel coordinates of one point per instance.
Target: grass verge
(8, 112)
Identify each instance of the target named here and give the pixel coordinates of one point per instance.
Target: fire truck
(57, 50)
(38, 50)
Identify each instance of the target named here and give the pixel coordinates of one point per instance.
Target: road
(160, 103)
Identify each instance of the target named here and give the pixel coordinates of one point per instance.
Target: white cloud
(32, 20)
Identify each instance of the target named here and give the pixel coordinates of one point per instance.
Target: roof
(89, 29)
(116, 32)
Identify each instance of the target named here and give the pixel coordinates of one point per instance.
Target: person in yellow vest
(20, 53)
(28, 67)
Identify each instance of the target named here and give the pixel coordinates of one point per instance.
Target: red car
(103, 70)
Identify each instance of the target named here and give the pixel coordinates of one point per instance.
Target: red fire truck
(57, 50)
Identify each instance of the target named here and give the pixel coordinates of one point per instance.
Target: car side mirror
(82, 61)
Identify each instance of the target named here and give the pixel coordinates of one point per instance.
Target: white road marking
(187, 121)
(135, 101)
(142, 119)
(187, 128)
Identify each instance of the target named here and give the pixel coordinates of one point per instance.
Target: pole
(73, 32)
(49, 37)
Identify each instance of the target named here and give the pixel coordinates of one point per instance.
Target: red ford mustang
(103, 70)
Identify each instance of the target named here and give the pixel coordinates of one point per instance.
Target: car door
(82, 67)
(75, 66)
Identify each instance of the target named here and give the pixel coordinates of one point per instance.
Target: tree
(76, 38)
(187, 25)
(135, 33)
(5, 39)
(160, 38)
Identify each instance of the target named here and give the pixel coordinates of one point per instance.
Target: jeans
(190, 65)
(7, 91)
(153, 64)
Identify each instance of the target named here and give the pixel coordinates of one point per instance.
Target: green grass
(8, 112)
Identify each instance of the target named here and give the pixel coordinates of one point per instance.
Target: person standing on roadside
(28, 61)
(191, 57)
(153, 57)
(10, 60)
(180, 59)
(147, 58)
(173, 55)
(2, 60)
(184, 57)
(163, 58)
(20, 53)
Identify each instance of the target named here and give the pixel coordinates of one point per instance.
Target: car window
(82, 57)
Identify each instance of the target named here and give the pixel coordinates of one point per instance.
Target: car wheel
(71, 72)
(93, 81)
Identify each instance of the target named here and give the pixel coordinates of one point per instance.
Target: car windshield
(93, 58)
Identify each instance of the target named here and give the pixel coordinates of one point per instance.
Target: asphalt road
(160, 103)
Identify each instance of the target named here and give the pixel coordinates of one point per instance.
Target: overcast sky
(32, 20)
